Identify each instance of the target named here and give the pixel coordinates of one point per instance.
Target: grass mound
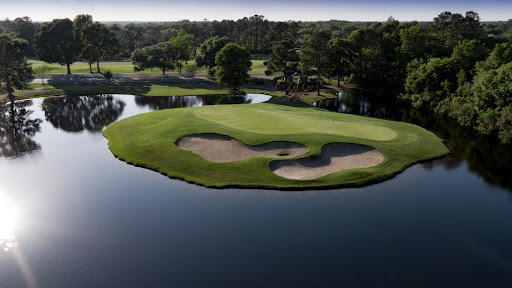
(149, 139)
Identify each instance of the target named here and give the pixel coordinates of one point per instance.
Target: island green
(149, 140)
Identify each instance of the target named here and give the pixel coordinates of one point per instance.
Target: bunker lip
(335, 157)
(223, 149)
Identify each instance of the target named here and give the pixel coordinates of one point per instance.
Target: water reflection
(359, 103)
(159, 103)
(8, 222)
(75, 114)
(485, 156)
(17, 129)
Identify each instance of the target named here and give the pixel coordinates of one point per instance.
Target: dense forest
(455, 65)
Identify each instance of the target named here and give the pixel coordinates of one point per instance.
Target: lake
(72, 215)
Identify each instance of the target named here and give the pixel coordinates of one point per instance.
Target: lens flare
(8, 222)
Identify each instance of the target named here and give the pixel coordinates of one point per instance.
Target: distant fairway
(126, 66)
(149, 140)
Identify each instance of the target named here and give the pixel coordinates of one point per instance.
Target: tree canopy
(56, 43)
(233, 65)
(208, 50)
(162, 55)
(14, 68)
(182, 44)
(315, 56)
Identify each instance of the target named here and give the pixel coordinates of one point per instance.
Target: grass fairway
(149, 139)
(126, 67)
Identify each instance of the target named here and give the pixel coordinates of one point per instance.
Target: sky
(275, 10)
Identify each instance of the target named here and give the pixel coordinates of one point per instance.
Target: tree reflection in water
(484, 155)
(78, 113)
(17, 129)
(159, 103)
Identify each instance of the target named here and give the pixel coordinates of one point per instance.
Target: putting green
(253, 119)
(149, 140)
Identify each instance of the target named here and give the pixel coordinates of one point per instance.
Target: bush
(190, 70)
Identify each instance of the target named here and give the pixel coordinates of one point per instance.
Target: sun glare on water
(8, 222)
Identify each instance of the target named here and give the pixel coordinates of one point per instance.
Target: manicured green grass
(83, 67)
(126, 66)
(148, 140)
(258, 69)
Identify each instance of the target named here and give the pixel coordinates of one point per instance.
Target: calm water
(72, 215)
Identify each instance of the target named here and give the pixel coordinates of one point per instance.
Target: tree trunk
(90, 67)
(339, 80)
(69, 69)
(163, 71)
(9, 90)
(286, 86)
(13, 118)
(98, 65)
(318, 84)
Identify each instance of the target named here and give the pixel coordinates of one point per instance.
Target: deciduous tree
(182, 44)
(208, 50)
(14, 68)
(233, 65)
(56, 43)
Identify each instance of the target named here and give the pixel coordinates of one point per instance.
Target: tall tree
(315, 57)
(284, 58)
(208, 50)
(233, 65)
(56, 43)
(341, 55)
(14, 68)
(182, 44)
(99, 42)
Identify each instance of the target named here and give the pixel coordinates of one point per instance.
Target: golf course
(270, 145)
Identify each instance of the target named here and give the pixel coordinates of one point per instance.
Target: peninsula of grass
(150, 140)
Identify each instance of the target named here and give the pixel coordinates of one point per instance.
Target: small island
(270, 145)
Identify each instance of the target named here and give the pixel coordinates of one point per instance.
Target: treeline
(253, 32)
(455, 64)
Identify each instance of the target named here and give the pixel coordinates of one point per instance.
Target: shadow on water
(17, 129)
(164, 102)
(485, 156)
(78, 113)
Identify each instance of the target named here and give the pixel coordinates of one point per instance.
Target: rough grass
(148, 140)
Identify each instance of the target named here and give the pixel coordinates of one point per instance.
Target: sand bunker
(220, 148)
(335, 157)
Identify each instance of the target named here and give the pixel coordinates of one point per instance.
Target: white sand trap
(220, 148)
(335, 157)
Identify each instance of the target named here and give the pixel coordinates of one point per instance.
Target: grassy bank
(148, 140)
(176, 88)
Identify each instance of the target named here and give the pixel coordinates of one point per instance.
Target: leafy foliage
(56, 43)
(233, 65)
(14, 68)
(162, 55)
(208, 50)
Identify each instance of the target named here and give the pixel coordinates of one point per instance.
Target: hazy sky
(305, 10)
